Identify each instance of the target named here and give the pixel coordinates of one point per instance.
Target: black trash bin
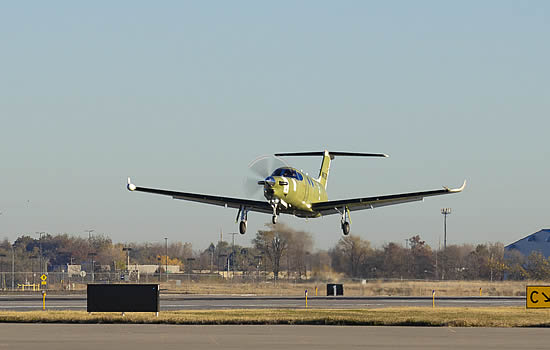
(334, 289)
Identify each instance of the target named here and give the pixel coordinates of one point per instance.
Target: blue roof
(538, 241)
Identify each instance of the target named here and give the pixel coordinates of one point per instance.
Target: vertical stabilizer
(325, 167)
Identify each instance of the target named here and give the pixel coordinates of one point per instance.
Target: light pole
(2, 256)
(92, 255)
(12, 266)
(40, 243)
(160, 272)
(232, 255)
(258, 258)
(445, 212)
(166, 254)
(190, 263)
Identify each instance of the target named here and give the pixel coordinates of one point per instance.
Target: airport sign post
(537, 297)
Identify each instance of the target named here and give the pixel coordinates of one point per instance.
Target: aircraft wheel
(345, 228)
(274, 219)
(242, 227)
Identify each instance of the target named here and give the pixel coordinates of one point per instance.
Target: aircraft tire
(274, 219)
(242, 227)
(345, 228)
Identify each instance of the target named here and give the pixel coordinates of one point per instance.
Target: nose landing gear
(275, 216)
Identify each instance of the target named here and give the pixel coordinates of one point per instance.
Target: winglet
(454, 190)
(131, 186)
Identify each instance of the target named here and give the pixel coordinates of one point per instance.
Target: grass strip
(402, 316)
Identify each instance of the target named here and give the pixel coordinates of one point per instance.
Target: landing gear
(274, 205)
(242, 227)
(345, 228)
(346, 221)
(243, 214)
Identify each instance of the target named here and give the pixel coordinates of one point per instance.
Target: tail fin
(325, 167)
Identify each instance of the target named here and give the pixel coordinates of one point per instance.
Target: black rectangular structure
(339, 289)
(123, 298)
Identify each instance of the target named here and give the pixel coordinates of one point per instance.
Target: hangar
(538, 241)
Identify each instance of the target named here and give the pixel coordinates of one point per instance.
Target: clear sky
(183, 95)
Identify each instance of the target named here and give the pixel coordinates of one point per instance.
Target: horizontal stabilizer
(332, 154)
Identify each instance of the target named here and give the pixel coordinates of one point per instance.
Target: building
(538, 241)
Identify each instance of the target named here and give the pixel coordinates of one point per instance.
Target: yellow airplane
(290, 191)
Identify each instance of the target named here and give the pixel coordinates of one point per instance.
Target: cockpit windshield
(288, 172)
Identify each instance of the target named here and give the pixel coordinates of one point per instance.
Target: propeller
(259, 169)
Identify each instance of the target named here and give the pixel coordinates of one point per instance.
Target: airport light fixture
(445, 212)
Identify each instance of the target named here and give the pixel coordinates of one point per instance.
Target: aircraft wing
(335, 207)
(250, 205)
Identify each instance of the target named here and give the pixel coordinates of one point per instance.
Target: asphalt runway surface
(146, 337)
(208, 302)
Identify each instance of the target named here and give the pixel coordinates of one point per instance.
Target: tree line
(278, 252)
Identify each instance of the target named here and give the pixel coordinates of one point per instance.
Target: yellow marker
(433, 298)
(480, 291)
(315, 290)
(43, 300)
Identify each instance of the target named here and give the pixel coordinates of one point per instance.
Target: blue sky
(183, 95)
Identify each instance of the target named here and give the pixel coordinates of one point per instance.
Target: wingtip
(131, 186)
(459, 189)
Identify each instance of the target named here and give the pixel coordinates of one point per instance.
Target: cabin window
(531, 239)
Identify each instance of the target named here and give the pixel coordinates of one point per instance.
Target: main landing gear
(345, 221)
(243, 213)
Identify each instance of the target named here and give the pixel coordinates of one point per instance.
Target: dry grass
(409, 316)
(371, 288)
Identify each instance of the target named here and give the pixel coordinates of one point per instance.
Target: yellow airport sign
(43, 277)
(537, 297)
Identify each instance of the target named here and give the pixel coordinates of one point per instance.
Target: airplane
(291, 191)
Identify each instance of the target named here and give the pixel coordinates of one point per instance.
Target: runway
(146, 337)
(209, 302)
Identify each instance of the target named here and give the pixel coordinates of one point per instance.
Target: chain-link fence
(29, 281)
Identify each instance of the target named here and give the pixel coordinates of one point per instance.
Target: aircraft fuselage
(294, 191)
